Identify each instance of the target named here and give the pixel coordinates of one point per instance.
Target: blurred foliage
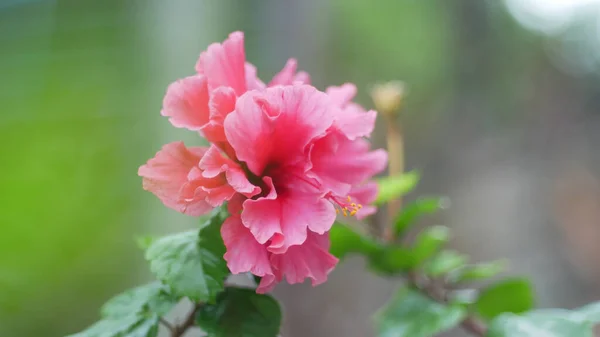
(68, 140)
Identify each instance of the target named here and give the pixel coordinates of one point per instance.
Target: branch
(166, 324)
(440, 294)
(180, 329)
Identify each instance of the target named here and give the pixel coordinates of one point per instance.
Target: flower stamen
(347, 208)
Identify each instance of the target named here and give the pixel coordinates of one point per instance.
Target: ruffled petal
(338, 163)
(244, 253)
(275, 126)
(342, 95)
(262, 216)
(288, 75)
(355, 122)
(284, 218)
(252, 80)
(186, 103)
(309, 260)
(224, 64)
(213, 163)
(166, 175)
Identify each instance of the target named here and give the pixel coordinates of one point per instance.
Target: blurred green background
(502, 116)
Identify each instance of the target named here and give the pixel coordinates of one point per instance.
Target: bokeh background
(502, 116)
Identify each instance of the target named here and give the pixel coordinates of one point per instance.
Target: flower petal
(252, 80)
(275, 126)
(338, 163)
(244, 253)
(309, 260)
(341, 95)
(354, 122)
(262, 216)
(224, 64)
(284, 218)
(288, 75)
(166, 175)
(186, 103)
(213, 163)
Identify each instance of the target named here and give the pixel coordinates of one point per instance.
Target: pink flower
(286, 157)
(306, 166)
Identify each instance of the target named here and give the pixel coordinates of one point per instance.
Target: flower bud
(388, 97)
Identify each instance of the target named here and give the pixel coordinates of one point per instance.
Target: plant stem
(439, 294)
(180, 329)
(166, 324)
(395, 147)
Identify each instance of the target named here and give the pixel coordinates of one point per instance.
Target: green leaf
(387, 260)
(542, 323)
(590, 312)
(409, 214)
(444, 262)
(511, 295)
(395, 186)
(153, 297)
(127, 326)
(133, 313)
(412, 314)
(191, 263)
(548, 323)
(240, 312)
(144, 242)
(477, 272)
(391, 260)
(429, 241)
(345, 240)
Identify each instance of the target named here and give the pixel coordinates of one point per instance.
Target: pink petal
(288, 75)
(309, 260)
(354, 122)
(166, 175)
(222, 103)
(225, 64)
(351, 118)
(262, 216)
(237, 179)
(338, 162)
(267, 283)
(186, 103)
(244, 253)
(284, 218)
(275, 126)
(299, 213)
(252, 80)
(302, 77)
(213, 163)
(218, 195)
(341, 95)
(234, 206)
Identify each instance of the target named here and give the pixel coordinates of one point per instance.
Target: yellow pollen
(359, 206)
(353, 213)
(345, 212)
(349, 199)
(337, 211)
